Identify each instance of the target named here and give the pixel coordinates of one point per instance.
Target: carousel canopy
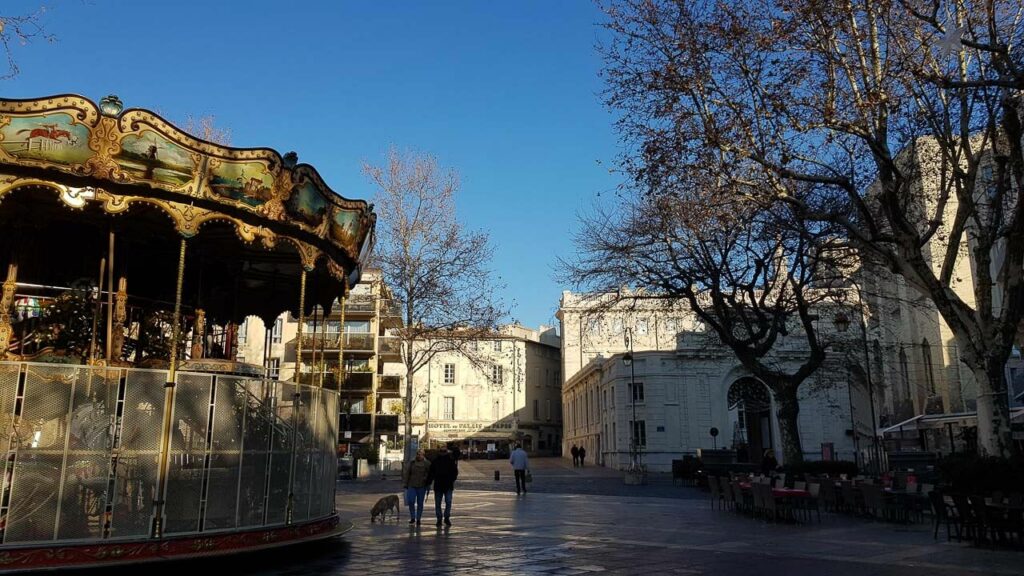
(77, 178)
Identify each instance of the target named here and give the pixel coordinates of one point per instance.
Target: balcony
(358, 382)
(388, 385)
(390, 346)
(358, 342)
(359, 305)
(327, 341)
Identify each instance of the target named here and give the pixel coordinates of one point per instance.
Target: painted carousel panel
(249, 183)
(52, 137)
(153, 157)
(307, 204)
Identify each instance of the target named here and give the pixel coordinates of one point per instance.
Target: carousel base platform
(57, 556)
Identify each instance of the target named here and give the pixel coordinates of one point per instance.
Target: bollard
(497, 475)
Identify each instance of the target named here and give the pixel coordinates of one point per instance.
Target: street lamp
(627, 360)
(842, 322)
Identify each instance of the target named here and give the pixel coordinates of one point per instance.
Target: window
(640, 432)
(474, 345)
(496, 410)
(617, 326)
(243, 330)
(987, 181)
(497, 375)
(536, 409)
(274, 368)
(357, 326)
(547, 409)
(276, 333)
(497, 345)
(929, 376)
(449, 373)
(671, 326)
(904, 376)
(641, 326)
(638, 391)
(613, 396)
(593, 326)
(449, 408)
(547, 374)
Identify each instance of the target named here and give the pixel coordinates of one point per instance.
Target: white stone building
(686, 384)
(508, 391)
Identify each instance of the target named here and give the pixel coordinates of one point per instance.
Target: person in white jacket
(520, 464)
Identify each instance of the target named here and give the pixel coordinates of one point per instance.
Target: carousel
(133, 252)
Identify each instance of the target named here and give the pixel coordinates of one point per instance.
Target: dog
(382, 507)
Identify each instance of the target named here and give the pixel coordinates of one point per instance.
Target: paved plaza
(588, 522)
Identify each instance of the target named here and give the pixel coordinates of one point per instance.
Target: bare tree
(205, 127)
(748, 274)
(900, 118)
(19, 30)
(437, 270)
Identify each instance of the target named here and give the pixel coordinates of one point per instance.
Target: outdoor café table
(781, 492)
(1004, 506)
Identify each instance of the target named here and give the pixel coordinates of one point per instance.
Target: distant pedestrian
(575, 456)
(416, 481)
(520, 464)
(768, 462)
(583, 455)
(443, 472)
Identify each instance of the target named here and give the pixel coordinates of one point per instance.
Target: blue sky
(507, 93)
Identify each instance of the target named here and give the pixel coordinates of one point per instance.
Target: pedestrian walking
(575, 455)
(416, 481)
(443, 471)
(583, 455)
(768, 462)
(520, 464)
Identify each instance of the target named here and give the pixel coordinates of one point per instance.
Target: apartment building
(504, 388)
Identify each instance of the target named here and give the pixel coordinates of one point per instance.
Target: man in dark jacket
(443, 472)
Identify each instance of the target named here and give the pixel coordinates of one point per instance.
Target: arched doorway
(750, 411)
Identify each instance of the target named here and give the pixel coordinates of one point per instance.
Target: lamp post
(627, 360)
(842, 322)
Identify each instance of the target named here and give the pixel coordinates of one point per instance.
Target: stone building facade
(506, 388)
(684, 384)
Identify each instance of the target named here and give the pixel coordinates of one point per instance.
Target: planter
(636, 478)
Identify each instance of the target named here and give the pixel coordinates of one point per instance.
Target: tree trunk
(406, 450)
(787, 411)
(994, 435)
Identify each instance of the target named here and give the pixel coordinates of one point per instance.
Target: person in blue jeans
(444, 469)
(416, 481)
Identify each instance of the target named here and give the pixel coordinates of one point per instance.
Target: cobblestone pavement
(565, 525)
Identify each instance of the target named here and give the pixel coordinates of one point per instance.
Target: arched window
(904, 376)
(926, 356)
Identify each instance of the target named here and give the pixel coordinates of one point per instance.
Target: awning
(936, 421)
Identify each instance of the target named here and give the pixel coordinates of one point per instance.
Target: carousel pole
(296, 396)
(110, 296)
(96, 312)
(6, 302)
(312, 359)
(323, 348)
(341, 339)
(165, 436)
(266, 350)
(302, 320)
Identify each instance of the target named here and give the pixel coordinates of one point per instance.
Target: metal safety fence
(81, 449)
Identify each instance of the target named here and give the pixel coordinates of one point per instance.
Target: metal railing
(389, 384)
(390, 345)
(83, 449)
